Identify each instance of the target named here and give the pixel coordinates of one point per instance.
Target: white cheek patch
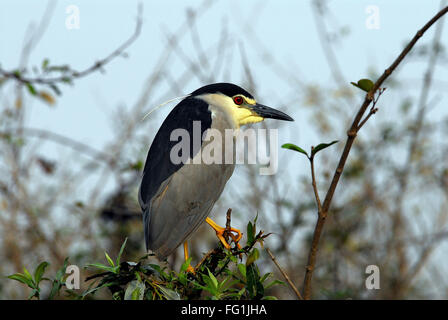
(239, 115)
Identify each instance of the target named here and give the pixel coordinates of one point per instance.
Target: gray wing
(158, 166)
(159, 170)
(182, 204)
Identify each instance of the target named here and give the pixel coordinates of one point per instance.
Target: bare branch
(62, 140)
(351, 135)
(314, 184)
(285, 275)
(70, 74)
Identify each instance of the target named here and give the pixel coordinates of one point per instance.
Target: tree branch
(60, 139)
(351, 135)
(291, 284)
(314, 184)
(69, 74)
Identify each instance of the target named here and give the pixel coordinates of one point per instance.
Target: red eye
(238, 100)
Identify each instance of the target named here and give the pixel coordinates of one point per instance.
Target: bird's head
(237, 103)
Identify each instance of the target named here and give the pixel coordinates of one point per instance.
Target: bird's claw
(190, 269)
(235, 234)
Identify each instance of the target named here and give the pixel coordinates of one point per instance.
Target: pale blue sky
(284, 28)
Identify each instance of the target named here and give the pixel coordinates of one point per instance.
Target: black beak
(267, 112)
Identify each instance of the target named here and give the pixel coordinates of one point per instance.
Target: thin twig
(73, 74)
(285, 275)
(398, 223)
(62, 140)
(351, 135)
(314, 184)
(228, 219)
(373, 109)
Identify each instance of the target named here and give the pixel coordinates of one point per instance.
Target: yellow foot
(235, 234)
(190, 269)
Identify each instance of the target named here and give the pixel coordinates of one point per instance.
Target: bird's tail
(146, 220)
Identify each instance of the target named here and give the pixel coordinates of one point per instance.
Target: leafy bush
(221, 275)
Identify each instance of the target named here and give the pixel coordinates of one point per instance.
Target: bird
(176, 197)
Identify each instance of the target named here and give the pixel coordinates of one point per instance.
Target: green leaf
(27, 274)
(183, 278)
(168, 293)
(45, 63)
(54, 289)
(22, 278)
(121, 251)
(213, 278)
(321, 146)
(61, 68)
(61, 272)
(273, 283)
(136, 294)
(109, 259)
(269, 298)
(364, 84)
(210, 286)
(34, 293)
(232, 257)
(254, 286)
(253, 256)
(40, 270)
(55, 89)
(267, 275)
(31, 89)
(57, 281)
(137, 166)
(292, 146)
(135, 290)
(93, 290)
(237, 295)
(250, 233)
(66, 80)
(242, 269)
(185, 265)
(159, 270)
(102, 267)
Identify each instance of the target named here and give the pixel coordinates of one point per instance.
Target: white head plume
(162, 104)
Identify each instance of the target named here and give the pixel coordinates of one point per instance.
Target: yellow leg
(189, 268)
(220, 231)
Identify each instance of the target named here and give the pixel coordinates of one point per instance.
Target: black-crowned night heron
(176, 198)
